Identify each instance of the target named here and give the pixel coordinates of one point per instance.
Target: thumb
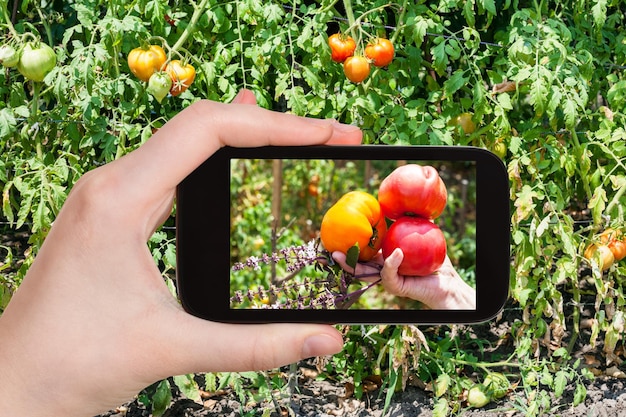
(212, 347)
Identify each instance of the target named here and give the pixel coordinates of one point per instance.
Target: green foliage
(543, 81)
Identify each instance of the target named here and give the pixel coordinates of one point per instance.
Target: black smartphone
(248, 224)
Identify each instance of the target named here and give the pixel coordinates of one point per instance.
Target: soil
(320, 398)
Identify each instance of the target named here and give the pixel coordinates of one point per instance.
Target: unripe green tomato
(159, 85)
(477, 396)
(9, 57)
(36, 61)
(497, 384)
(499, 148)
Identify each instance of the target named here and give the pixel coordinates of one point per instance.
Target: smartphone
(248, 235)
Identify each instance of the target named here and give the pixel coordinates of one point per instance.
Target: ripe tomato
(614, 240)
(413, 190)
(601, 253)
(464, 122)
(143, 62)
(36, 60)
(380, 51)
(341, 47)
(182, 76)
(421, 241)
(356, 68)
(355, 219)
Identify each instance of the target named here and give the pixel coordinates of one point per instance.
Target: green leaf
(580, 393)
(8, 124)
(560, 382)
(454, 83)
(161, 398)
(188, 387)
(352, 257)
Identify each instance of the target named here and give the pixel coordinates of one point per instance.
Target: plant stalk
(197, 13)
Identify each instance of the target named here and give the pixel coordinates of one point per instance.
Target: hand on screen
(93, 321)
(442, 290)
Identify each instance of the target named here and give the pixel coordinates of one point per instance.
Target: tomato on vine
(143, 62)
(9, 57)
(380, 51)
(182, 76)
(356, 68)
(341, 47)
(36, 60)
(159, 85)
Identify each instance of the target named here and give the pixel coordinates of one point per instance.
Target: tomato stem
(7, 19)
(197, 13)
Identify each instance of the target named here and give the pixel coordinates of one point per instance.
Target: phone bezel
(203, 236)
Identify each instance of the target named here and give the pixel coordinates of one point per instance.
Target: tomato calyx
(182, 75)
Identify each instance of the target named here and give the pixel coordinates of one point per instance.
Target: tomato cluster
(150, 64)
(356, 66)
(33, 59)
(411, 197)
(610, 248)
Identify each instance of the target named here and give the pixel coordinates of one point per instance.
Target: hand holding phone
(301, 281)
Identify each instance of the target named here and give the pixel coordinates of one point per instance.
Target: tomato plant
(355, 219)
(182, 75)
(380, 51)
(36, 60)
(356, 68)
(422, 242)
(412, 190)
(145, 61)
(341, 47)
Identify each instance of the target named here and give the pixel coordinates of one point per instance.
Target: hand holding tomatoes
(444, 289)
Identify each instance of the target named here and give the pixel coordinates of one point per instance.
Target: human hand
(444, 289)
(93, 322)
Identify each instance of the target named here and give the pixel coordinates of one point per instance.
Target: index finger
(200, 130)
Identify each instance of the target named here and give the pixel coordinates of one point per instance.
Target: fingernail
(320, 345)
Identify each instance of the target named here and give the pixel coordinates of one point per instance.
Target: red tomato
(341, 47)
(356, 68)
(355, 219)
(380, 51)
(413, 190)
(421, 241)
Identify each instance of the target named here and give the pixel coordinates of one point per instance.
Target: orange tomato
(143, 62)
(356, 68)
(355, 219)
(614, 240)
(380, 51)
(341, 47)
(182, 76)
(600, 253)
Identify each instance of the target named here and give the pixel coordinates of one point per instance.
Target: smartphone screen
(278, 260)
(251, 247)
